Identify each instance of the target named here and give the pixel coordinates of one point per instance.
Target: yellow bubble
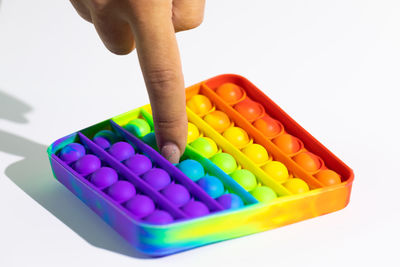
(237, 137)
(193, 132)
(277, 170)
(218, 120)
(296, 186)
(257, 153)
(199, 104)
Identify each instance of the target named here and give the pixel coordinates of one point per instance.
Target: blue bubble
(72, 152)
(212, 185)
(230, 201)
(193, 169)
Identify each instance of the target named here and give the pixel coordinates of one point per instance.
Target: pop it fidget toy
(248, 167)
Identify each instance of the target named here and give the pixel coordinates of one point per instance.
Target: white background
(332, 65)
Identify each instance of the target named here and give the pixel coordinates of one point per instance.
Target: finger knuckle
(100, 6)
(169, 122)
(161, 78)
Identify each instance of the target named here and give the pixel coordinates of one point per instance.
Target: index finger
(161, 67)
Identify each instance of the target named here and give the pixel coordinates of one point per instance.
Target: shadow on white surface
(33, 175)
(13, 109)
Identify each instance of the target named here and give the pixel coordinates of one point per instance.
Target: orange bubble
(249, 109)
(328, 177)
(268, 126)
(218, 120)
(230, 92)
(237, 137)
(199, 104)
(308, 161)
(288, 143)
(296, 186)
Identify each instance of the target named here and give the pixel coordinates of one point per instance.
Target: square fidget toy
(248, 167)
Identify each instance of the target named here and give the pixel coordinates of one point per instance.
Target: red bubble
(250, 110)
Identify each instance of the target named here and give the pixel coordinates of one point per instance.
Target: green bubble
(150, 139)
(138, 127)
(107, 134)
(264, 194)
(205, 146)
(225, 162)
(245, 178)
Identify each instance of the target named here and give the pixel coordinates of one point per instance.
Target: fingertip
(171, 152)
(171, 136)
(121, 50)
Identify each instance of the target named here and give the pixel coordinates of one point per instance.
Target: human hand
(150, 26)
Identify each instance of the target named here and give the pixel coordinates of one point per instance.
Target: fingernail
(171, 152)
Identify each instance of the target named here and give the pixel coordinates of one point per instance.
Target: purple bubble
(159, 217)
(121, 151)
(110, 136)
(104, 177)
(72, 152)
(195, 209)
(157, 178)
(138, 164)
(177, 194)
(102, 142)
(87, 164)
(230, 201)
(140, 205)
(121, 191)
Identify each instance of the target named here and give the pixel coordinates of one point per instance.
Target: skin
(150, 26)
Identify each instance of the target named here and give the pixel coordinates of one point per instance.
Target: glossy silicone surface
(198, 216)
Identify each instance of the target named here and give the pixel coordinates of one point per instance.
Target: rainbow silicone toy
(248, 167)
